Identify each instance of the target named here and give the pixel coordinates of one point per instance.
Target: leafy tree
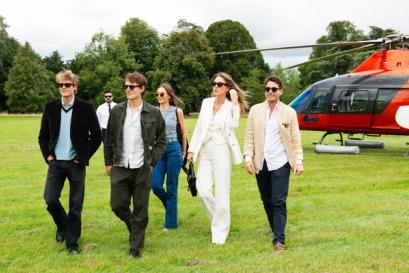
(339, 31)
(142, 41)
(28, 86)
(253, 84)
(54, 62)
(102, 66)
(8, 48)
(184, 61)
(336, 31)
(228, 35)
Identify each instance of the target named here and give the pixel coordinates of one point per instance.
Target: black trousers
(58, 172)
(103, 134)
(273, 187)
(135, 184)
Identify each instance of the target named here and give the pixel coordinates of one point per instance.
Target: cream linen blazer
(289, 131)
(230, 115)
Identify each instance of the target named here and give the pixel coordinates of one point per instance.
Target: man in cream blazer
(272, 146)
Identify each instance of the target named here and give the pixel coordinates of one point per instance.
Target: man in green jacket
(135, 141)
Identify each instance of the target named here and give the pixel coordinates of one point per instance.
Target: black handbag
(191, 178)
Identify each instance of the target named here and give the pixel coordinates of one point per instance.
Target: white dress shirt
(132, 154)
(103, 114)
(274, 151)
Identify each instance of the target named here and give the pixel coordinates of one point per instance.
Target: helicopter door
(316, 115)
(351, 108)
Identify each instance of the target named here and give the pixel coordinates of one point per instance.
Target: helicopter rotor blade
(362, 48)
(352, 43)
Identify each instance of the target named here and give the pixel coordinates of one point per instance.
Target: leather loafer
(60, 236)
(135, 253)
(279, 248)
(72, 250)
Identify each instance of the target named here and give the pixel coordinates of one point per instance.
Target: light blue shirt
(64, 149)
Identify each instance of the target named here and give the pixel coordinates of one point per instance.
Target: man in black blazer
(69, 136)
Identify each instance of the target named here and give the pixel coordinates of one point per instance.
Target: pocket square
(285, 124)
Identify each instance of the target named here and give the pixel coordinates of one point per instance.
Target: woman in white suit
(216, 147)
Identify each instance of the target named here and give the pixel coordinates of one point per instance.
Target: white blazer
(230, 115)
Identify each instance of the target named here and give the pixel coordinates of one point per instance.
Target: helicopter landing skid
(340, 140)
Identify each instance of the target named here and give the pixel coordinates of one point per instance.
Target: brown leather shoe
(279, 248)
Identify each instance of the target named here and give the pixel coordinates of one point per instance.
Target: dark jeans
(273, 187)
(58, 171)
(135, 183)
(169, 165)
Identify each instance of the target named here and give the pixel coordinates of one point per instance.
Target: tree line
(185, 58)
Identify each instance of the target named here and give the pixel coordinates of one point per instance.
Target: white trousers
(215, 168)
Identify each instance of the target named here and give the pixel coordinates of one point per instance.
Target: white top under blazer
(227, 118)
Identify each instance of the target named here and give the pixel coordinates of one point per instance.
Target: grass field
(347, 213)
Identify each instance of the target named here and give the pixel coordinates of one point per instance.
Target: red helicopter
(371, 100)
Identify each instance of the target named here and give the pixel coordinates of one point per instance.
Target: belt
(172, 139)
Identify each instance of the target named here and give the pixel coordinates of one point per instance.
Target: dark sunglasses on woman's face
(65, 85)
(159, 95)
(219, 84)
(273, 89)
(130, 86)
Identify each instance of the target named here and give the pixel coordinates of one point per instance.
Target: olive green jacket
(153, 134)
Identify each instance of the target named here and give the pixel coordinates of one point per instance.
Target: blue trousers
(169, 165)
(273, 187)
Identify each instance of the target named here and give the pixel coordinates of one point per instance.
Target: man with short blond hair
(68, 138)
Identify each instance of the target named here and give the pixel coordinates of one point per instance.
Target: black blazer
(85, 131)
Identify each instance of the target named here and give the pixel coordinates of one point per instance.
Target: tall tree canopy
(8, 48)
(143, 42)
(102, 66)
(185, 59)
(338, 31)
(228, 35)
(28, 86)
(54, 62)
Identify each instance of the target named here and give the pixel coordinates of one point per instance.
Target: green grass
(346, 213)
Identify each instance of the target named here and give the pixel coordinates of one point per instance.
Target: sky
(67, 26)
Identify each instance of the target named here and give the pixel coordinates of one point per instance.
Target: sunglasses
(219, 84)
(273, 89)
(65, 85)
(159, 95)
(108, 96)
(130, 86)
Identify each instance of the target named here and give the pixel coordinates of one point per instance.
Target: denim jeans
(273, 187)
(168, 165)
(58, 171)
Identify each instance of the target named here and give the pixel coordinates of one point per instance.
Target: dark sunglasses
(273, 89)
(65, 85)
(108, 96)
(159, 95)
(130, 86)
(219, 84)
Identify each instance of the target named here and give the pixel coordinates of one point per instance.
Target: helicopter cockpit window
(319, 102)
(384, 97)
(353, 101)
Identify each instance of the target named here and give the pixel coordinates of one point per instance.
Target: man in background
(103, 112)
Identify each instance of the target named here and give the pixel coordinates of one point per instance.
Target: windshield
(300, 102)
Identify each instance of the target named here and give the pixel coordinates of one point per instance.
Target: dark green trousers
(135, 184)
